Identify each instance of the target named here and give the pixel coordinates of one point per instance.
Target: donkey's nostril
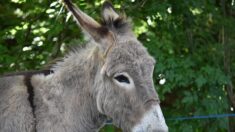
(151, 101)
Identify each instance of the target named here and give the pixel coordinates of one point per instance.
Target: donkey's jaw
(152, 121)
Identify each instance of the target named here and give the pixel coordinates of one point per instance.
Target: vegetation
(192, 41)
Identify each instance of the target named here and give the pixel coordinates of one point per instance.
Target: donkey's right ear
(109, 13)
(88, 24)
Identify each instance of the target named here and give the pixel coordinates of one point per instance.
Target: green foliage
(191, 41)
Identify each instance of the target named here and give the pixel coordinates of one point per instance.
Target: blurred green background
(193, 42)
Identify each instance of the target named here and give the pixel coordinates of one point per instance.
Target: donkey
(111, 77)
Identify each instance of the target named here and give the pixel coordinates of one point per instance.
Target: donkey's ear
(88, 24)
(109, 13)
(114, 21)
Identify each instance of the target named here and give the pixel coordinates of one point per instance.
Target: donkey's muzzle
(152, 121)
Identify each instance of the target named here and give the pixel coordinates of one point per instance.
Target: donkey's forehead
(131, 51)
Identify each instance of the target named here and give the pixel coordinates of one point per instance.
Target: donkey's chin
(152, 121)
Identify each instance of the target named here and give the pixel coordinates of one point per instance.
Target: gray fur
(15, 111)
(80, 95)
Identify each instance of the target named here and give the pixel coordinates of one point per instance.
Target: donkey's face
(125, 90)
(128, 94)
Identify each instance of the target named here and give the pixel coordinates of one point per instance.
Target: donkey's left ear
(88, 24)
(109, 13)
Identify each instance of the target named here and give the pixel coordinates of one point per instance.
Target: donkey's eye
(122, 79)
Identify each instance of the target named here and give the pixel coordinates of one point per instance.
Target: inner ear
(114, 21)
(87, 23)
(101, 34)
(109, 13)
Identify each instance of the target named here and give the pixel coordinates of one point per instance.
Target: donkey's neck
(65, 100)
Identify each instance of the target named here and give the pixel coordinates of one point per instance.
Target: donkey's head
(124, 85)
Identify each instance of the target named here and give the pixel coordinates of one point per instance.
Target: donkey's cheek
(152, 121)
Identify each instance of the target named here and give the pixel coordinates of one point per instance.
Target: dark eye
(122, 79)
